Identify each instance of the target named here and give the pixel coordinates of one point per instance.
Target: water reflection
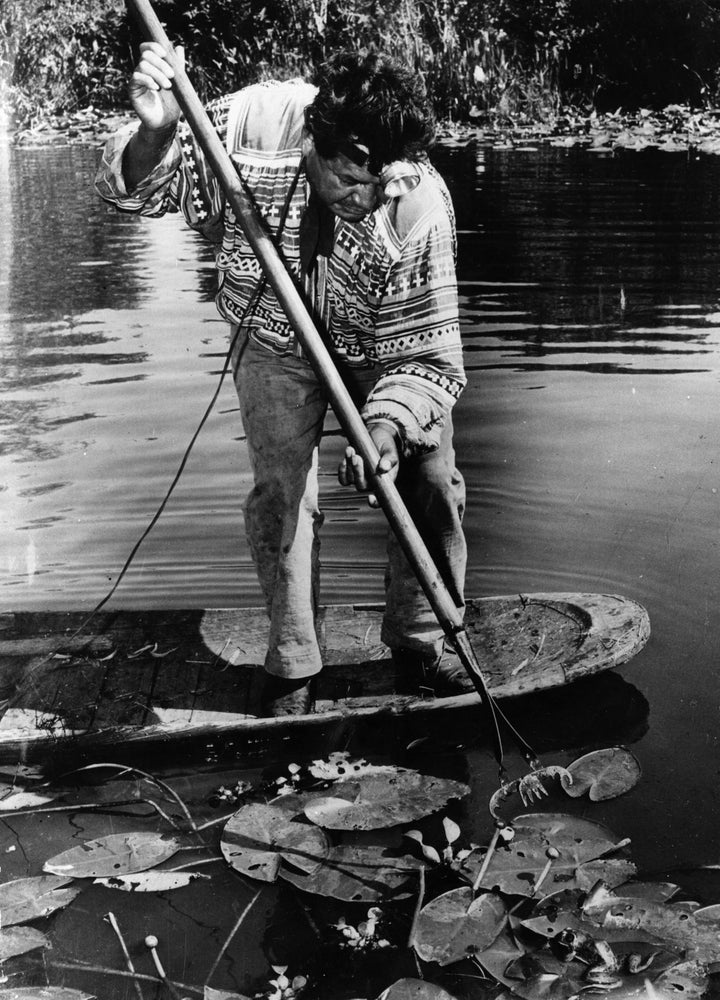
(75, 279)
(572, 266)
(56, 232)
(616, 255)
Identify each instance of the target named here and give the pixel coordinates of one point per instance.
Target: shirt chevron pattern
(387, 295)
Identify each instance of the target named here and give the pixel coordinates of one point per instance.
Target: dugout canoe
(137, 679)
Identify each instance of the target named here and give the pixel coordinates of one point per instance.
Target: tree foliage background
(512, 58)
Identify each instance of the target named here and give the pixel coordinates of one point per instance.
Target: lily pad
(116, 854)
(383, 799)
(686, 979)
(44, 993)
(611, 871)
(415, 989)
(150, 881)
(603, 774)
(496, 958)
(672, 924)
(515, 868)
(455, 925)
(589, 840)
(340, 766)
(358, 873)
(259, 836)
(19, 940)
(28, 898)
(564, 910)
(558, 919)
(14, 799)
(660, 892)
(564, 841)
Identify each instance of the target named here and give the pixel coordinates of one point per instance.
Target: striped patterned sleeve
(418, 340)
(152, 195)
(182, 181)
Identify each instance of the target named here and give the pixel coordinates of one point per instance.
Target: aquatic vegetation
(382, 799)
(116, 854)
(27, 899)
(153, 881)
(19, 940)
(283, 988)
(449, 857)
(603, 774)
(494, 60)
(364, 937)
(549, 906)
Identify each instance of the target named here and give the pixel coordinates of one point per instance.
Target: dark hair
(373, 100)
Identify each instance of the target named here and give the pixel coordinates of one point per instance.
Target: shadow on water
(594, 711)
(589, 713)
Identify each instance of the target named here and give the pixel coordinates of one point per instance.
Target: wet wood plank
(142, 675)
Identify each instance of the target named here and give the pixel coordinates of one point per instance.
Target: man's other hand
(351, 471)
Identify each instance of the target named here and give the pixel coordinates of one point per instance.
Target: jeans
(283, 408)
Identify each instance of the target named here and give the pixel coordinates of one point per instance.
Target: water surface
(588, 434)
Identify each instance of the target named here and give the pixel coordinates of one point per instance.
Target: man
(340, 175)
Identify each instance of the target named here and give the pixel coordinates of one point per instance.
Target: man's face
(349, 191)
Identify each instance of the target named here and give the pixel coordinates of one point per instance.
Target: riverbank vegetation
(482, 61)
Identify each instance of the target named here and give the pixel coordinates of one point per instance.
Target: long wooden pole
(448, 615)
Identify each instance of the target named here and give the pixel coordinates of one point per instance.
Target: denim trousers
(283, 408)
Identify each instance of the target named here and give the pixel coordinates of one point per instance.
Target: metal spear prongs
(530, 787)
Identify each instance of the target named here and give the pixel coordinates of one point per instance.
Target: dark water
(588, 435)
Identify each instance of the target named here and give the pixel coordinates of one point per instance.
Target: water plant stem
(213, 822)
(151, 942)
(104, 971)
(124, 769)
(418, 905)
(552, 855)
(82, 807)
(228, 939)
(194, 864)
(486, 860)
(110, 917)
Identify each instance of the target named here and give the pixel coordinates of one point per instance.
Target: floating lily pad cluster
(550, 907)
(674, 129)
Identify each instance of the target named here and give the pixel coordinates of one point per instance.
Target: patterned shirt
(387, 294)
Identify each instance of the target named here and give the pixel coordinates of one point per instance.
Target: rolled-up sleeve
(182, 181)
(418, 341)
(154, 195)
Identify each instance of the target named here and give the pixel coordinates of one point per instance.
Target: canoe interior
(150, 670)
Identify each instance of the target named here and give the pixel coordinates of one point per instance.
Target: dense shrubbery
(499, 57)
(60, 55)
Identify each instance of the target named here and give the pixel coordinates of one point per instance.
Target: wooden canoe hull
(144, 678)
